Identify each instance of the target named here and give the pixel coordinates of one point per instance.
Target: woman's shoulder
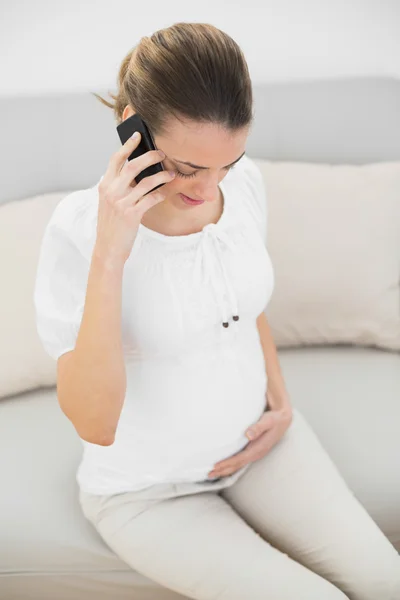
(247, 182)
(246, 176)
(75, 219)
(248, 167)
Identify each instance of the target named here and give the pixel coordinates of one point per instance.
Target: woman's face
(205, 145)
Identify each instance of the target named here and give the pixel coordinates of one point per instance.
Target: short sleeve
(257, 195)
(60, 290)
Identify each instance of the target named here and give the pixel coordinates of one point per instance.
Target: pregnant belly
(186, 443)
(179, 419)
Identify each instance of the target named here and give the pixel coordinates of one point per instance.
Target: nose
(208, 190)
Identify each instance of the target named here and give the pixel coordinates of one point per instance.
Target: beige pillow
(334, 241)
(24, 363)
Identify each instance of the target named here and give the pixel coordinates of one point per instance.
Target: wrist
(106, 260)
(278, 400)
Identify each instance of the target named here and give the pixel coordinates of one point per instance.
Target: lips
(194, 199)
(191, 201)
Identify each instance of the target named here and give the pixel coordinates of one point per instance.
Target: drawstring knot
(208, 254)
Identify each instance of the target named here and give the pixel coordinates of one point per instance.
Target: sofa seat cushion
(49, 551)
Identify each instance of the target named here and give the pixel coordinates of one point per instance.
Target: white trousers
(286, 527)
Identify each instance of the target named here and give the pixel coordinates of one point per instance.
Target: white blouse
(196, 376)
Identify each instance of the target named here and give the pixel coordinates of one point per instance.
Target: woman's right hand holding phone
(123, 202)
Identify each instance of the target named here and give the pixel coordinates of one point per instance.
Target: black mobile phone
(125, 130)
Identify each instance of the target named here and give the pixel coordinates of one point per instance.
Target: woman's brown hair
(190, 71)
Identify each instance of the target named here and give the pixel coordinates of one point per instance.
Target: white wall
(50, 46)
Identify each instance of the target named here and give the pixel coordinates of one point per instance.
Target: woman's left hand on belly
(268, 430)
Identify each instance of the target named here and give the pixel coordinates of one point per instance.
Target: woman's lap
(277, 531)
(296, 498)
(198, 546)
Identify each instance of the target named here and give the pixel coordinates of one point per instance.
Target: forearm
(278, 396)
(92, 384)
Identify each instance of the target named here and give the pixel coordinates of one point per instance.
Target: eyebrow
(200, 167)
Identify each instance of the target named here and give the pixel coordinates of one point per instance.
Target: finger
(220, 473)
(264, 424)
(227, 471)
(242, 456)
(140, 193)
(119, 157)
(228, 464)
(132, 168)
(262, 445)
(254, 451)
(216, 472)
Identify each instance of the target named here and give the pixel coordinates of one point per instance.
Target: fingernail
(250, 434)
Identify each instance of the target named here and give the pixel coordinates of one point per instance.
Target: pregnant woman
(196, 470)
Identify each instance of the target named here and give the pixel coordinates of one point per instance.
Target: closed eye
(188, 176)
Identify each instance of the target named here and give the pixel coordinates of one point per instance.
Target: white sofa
(329, 152)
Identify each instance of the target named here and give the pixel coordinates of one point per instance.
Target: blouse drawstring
(208, 252)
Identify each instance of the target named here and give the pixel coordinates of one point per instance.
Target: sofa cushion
(348, 395)
(334, 241)
(48, 550)
(24, 363)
